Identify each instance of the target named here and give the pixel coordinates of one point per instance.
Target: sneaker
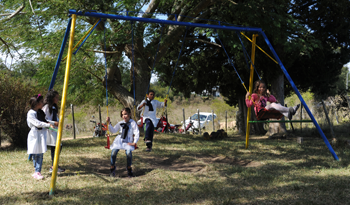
(130, 174)
(37, 176)
(59, 170)
(112, 174)
(290, 113)
(148, 149)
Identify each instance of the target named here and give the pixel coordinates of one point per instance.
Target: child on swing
(127, 139)
(36, 141)
(261, 96)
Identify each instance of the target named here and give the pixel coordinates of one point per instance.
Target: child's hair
(49, 99)
(151, 91)
(126, 110)
(33, 101)
(256, 87)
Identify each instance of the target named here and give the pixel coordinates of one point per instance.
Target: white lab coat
(36, 142)
(132, 137)
(51, 135)
(146, 114)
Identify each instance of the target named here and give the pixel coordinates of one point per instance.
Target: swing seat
(268, 114)
(141, 124)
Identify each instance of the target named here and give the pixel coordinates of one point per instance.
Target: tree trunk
(277, 90)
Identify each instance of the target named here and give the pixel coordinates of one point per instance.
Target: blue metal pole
(300, 97)
(66, 34)
(160, 21)
(75, 52)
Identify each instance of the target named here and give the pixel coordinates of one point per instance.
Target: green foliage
(220, 108)
(15, 93)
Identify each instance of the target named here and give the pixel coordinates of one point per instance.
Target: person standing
(149, 116)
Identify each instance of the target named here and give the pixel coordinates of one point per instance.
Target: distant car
(204, 117)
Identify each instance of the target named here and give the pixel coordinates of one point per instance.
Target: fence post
(199, 122)
(183, 111)
(212, 114)
(226, 121)
(99, 113)
(329, 122)
(72, 107)
(301, 117)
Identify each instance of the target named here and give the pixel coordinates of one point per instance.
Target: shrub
(14, 94)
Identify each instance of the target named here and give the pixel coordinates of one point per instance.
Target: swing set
(101, 16)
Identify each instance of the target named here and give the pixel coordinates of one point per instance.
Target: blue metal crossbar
(160, 21)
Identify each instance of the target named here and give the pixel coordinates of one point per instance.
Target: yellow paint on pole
(87, 33)
(63, 105)
(250, 89)
(259, 48)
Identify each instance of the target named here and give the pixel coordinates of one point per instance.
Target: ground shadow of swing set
(70, 33)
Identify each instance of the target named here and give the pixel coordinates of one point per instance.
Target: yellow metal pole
(250, 89)
(63, 105)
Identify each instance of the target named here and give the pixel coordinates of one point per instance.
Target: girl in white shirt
(51, 112)
(128, 137)
(36, 141)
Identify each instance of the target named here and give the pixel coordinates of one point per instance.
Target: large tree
(203, 63)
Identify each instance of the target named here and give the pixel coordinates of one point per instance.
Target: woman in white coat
(51, 109)
(36, 142)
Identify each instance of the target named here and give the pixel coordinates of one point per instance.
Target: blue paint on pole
(58, 62)
(300, 97)
(160, 21)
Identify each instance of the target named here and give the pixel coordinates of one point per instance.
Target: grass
(186, 169)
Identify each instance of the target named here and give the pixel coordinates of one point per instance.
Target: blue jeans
(38, 161)
(128, 157)
(149, 132)
(53, 149)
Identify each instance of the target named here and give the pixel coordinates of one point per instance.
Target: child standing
(261, 96)
(126, 140)
(51, 109)
(36, 141)
(149, 116)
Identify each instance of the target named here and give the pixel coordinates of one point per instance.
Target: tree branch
(7, 14)
(8, 47)
(14, 13)
(204, 41)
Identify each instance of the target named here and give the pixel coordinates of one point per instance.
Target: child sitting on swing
(261, 96)
(127, 139)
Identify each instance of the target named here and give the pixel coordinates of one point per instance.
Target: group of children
(43, 114)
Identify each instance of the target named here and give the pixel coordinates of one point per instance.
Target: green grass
(186, 169)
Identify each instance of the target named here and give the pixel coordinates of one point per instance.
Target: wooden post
(199, 122)
(183, 111)
(72, 107)
(226, 121)
(99, 113)
(212, 114)
(301, 117)
(329, 122)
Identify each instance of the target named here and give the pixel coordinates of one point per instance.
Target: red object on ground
(267, 114)
(108, 142)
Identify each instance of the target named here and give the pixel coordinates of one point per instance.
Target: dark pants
(149, 132)
(53, 148)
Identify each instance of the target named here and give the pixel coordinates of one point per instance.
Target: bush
(14, 94)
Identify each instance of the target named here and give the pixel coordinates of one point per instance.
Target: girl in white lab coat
(128, 136)
(51, 112)
(36, 141)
